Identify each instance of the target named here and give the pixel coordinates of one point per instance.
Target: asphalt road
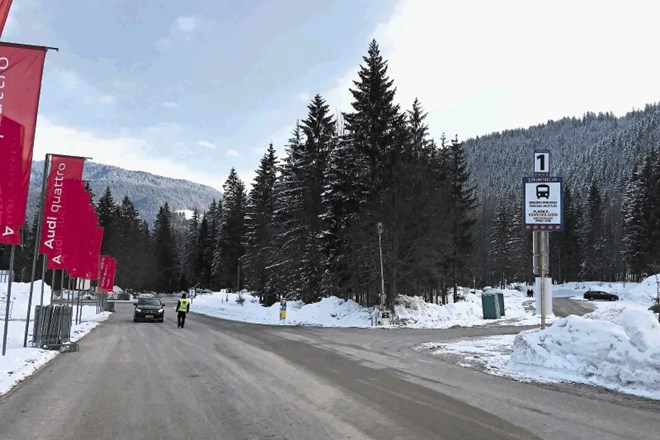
(566, 306)
(227, 380)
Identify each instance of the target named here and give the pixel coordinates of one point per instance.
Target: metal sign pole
(542, 237)
(9, 280)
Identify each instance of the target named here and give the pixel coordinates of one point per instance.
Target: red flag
(63, 180)
(94, 254)
(4, 12)
(65, 251)
(10, 234)
(21, 68)
(104, 273)
(111, 275)
(107, 267)
(85, 239)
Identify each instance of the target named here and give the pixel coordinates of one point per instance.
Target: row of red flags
(70, 236)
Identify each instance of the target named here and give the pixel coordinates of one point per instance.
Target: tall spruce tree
(191, 249)
(258, 240)
(214, 216)
(463, 204)
(357, 174)
(593, 239)
(230, 246)
(168, 268)
(299, 203)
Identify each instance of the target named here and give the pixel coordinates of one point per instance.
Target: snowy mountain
(598, 147)
(148, 192)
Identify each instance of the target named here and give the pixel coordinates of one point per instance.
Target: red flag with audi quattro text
(107, 268)
(4, 12)
(21, 69)
(64, 251)
(64, 179)
(104, 273)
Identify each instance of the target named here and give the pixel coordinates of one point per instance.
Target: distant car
(597, 294)
(149, 309)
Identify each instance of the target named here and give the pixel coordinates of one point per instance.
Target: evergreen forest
(373, 181)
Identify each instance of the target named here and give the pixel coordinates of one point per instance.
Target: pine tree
(593, 239)
(463, 204)
(204, 255)
(191, 246)
(357, 176)
(229, 246)
(299, 204)
(500, 251)
(569, 247)
(104, 211)
(167, 266)
(259, 228)
(214, 216)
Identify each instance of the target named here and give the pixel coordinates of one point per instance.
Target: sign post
(542, 213)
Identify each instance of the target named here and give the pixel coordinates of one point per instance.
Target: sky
(616, 347)
(191, 89)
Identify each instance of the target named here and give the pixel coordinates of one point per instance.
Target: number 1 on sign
(542, 162)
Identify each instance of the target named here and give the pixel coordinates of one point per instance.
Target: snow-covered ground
(19, 362)
(617, 346)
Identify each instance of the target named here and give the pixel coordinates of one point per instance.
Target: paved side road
(566, 306)
(217, 379)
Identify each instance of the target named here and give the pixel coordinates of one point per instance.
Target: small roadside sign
(542, 204)
(541, 162)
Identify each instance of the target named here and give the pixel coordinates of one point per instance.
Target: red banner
(88, 246)
(4, 12)
(21, 68)
(104, 273)
(10, 234)
(77, 207)
(112, 271)
(59, 203)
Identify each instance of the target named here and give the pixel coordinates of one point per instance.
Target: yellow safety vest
(183, 305)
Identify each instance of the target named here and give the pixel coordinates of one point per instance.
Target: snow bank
(611, 355)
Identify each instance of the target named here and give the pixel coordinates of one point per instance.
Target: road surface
(219, 379)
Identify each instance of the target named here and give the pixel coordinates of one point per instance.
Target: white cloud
(304, 97)
(170, 104)
(233, 153)
(186, 24)
(206, 144)
(129, 152)
(480, 66)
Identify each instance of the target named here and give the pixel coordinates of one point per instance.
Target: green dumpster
(490, 305)
(500, 300)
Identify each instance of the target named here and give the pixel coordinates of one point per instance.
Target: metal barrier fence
(52, 325)
(4, 276)
(3, 307)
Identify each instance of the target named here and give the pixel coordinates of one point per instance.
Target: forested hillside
(596, 155)
(368, 205)
(147, 191)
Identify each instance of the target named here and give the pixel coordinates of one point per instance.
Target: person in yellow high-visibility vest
(182, 307)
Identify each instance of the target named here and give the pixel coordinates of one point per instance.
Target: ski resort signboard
(542, 203)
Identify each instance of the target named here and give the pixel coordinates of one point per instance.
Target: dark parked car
(149, 309)
(597, 294)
